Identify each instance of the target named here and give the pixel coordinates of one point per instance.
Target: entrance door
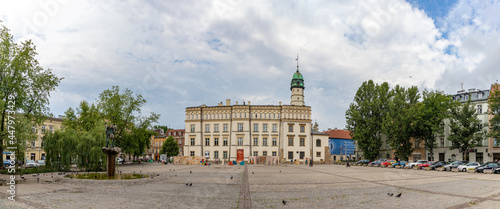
(239, 155)
(441, 156)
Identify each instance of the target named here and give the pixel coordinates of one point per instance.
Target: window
(216, 127)
(192, 128)
(275, 142)
(318, 154)
(480, 109)
(255, 153)
(255, 141)
(290, 155)
(224, 154)
(261, 115)
(33, 129)
(290, 128)
(240, 126)
(417, 143)
(192, 141)
(216, 141)
(224, 141)
(302, 129)
(442, 141)
(192, 153)
(256, 127)
(51, 129)
(264, 153)
(207, 128)
(275, 128)
(301, 156)
(224, 127)
(216, 154)
(264, 127)
(274, 153)
(290, 141)
(318, 143)
(302, 142)
(264, 141)
(466, 97)
(240, 141)
(207, 141)
(33, 144)
(43, 129)
(207, 154)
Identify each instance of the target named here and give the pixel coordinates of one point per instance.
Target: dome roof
(297, 81)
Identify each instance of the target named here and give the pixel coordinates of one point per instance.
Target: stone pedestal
(111, 159)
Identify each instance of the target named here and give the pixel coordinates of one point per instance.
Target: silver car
(31, 163)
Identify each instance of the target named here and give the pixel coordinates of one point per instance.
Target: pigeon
(253, 173)
(71, 177)
(23, 178)
(231, 177)
(37, 180)
(390, 194)
(284, 202)
(280, 171)
(187, 184)
(175, 175)
(190, 171)
(191, 184)
(134, 172)
(170, 169)
(399, 195)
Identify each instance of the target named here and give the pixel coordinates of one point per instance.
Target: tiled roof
(317, 132)
(338, 134)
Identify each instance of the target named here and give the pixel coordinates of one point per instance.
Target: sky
(180, 54)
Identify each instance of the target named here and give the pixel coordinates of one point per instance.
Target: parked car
(423, 165)
(6, 162)
(454, 165)
(400, 163)
(119, 160)
(411, 165)
(497, 170)
(438, 165)
(468, 166)
(487, 166)
(365, 161)
(31, 163)
(377, 163)
(388, 162)
(41, 162)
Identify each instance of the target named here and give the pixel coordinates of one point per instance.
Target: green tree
(429, 118)
(494, 109)
(398, 123)
(466, 130)
(79, 142)
(25, 85)
(365, 115)
(170, 147)
(123, 110)
(164, 128)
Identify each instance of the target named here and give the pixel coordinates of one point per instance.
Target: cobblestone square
(260, 186)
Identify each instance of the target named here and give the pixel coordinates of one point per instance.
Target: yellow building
(34, 150)
(222, 131)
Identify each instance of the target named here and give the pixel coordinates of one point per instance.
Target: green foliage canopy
(170, 147)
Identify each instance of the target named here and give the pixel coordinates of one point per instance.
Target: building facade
(479, 100)
(235, 132)
(34, 150)
(178, 135)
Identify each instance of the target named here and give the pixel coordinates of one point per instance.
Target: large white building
(220, 132)
(480, 153)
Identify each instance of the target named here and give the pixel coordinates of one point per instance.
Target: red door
(239, 155)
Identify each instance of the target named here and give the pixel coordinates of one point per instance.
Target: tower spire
(297, 62)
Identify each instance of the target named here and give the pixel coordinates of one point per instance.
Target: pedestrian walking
(347, 165)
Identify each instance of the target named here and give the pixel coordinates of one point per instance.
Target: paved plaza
(260, 186)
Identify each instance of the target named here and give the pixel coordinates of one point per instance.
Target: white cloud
(181, 54)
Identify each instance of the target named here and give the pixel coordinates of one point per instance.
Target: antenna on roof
(297, 62)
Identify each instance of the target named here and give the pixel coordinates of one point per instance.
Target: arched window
(318, 143)
(453, 157)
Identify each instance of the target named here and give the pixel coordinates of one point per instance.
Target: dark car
(454, 165)
(377, 163)
(400, 163)
(363, 162)
(438, 165)
(487, 166)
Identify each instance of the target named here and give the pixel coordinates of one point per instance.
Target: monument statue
(110, 151)
(110, 135)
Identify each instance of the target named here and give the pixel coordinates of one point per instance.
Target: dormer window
(480, 95)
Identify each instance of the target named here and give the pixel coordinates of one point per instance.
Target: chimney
(220, 104)
(280, 103)
(236, 103)
(248, 103)
(228, 102)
